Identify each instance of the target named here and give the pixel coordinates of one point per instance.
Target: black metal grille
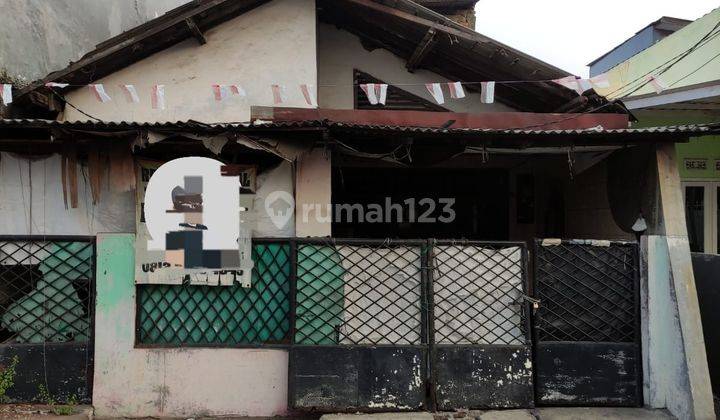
(359, 293)
(478, 294)
(587, 290)
(229, 315)
(46, 289)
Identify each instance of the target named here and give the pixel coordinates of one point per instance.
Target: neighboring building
(38, 36)
(472, 302)
(692, 96)
(643, 39)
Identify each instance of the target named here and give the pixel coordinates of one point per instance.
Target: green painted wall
(707, 147)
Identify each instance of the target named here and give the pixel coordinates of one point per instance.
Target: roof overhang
(327, 130)
(186, 21)
(699, 96)
(425, 119)
(409, 30)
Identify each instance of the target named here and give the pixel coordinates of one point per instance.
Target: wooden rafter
(422, 50)
(195, 31)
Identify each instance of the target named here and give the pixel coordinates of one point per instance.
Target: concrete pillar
(695, 375)
(313, 194)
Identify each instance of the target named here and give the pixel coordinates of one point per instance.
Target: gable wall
(340, 52)
(274, 43)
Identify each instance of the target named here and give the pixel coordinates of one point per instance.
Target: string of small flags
(376, 93)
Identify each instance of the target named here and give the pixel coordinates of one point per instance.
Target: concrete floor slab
(379, 416)
(605, 413)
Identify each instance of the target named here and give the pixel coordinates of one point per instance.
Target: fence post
(428, 272)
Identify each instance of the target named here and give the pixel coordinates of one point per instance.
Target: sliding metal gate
(587, 328)
(410, 325)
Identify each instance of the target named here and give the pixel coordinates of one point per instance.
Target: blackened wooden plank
(483, 376)
(584, 373)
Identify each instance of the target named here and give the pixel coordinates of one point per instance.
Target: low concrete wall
(171, 382)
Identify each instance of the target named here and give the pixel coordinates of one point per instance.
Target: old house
(475, 301)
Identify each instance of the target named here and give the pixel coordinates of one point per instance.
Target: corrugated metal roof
(195, 126)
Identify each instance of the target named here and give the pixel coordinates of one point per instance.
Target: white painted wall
(272, 44)
(31, 200)
(313, 194)
(340, 52)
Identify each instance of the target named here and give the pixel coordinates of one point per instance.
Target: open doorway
(451, 203)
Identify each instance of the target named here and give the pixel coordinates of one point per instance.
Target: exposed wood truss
(195, 31)
(422, 50)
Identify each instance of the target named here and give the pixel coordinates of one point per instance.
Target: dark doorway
(480, 203)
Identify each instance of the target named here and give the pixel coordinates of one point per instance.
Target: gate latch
(535, 302)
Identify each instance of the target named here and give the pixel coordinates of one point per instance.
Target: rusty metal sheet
(483, 376)
(492, 120)
(585, 373)
(340, 379)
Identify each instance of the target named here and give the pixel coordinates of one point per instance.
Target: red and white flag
(375, 92)
(158, 97)
(99, 91)
(381, 92)
(220, 92)
(601, 81)
(488, 92)
(570, 82)
(369, 89)
(238, 90)
(435, 90)
(278, 92)
(56, 85)
(656, 83)
(130, 93)
(6, 93)
(456, 90)
(308, 94)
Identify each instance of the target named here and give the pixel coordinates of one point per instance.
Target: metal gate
(587, 327)
(410, 325)
(47, 295)
(360, 326)
(480, 338)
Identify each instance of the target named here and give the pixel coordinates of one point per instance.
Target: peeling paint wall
(271, 44)
(171, 382)
(40, 36)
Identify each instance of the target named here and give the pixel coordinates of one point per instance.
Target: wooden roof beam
(424, 47)
(195, 31)
(370, 4)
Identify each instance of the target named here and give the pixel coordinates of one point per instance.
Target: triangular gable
(397, 98)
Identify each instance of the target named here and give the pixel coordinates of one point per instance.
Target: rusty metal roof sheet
(194, 126)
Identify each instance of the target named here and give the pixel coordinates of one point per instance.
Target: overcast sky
(570, 33)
